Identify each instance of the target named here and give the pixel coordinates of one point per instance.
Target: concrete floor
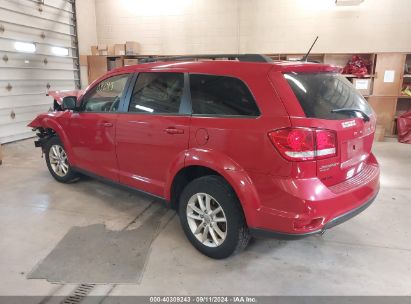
(369, 255)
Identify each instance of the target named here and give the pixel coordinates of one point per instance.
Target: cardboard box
(94, 50)
(363, 85)
(128, 62)
(118, 62)
(110, 50)
(83, 60)
(97, 66)
(379, 133)
(102, 49)
(132, 48)
(115, 63)
(119, 49)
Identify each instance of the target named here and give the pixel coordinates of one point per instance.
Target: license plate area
(353, 151)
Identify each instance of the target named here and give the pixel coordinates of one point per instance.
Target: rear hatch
(328, 101)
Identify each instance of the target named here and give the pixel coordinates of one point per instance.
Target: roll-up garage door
(38, 53)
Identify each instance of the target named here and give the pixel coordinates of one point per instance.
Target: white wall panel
(25, 7)
(86, 23)
(15, 60)
(62, 5)
(37, 20)
(34, 73)
(255, 26)
(24, 100)
(35, 34)
(26, 77)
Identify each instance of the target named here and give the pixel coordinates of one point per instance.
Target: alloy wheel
(58, 160)
(206, 220)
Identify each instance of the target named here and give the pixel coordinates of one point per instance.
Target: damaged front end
(43, 133)
(43, 136)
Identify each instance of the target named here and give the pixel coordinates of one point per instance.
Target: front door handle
(172, 130)
(106, 124)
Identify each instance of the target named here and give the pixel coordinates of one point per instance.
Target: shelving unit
(384, 96)
(354, 76)
(403, 101)
(119, 61)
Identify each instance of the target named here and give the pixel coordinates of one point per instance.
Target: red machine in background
(404, 128)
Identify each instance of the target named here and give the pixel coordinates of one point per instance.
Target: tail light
(304, 143)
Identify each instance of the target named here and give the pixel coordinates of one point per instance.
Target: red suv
(240, 148)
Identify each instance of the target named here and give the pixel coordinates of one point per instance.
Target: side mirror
(69, 103)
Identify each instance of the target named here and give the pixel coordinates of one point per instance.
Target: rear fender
(236, 176)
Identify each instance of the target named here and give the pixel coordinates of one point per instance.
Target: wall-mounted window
(60, 51)
(26, 47)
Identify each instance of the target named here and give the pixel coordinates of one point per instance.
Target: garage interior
(92, 238)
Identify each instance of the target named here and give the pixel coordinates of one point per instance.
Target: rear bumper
(348, 215)
(295, 208)
(256, 232)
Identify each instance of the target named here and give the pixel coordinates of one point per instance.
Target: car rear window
(320, 93)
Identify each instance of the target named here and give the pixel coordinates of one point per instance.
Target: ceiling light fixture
(156, 7)
(348, 2)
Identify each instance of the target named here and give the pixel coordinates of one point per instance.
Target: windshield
(320, 93)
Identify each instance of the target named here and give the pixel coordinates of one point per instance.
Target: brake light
(326, 144)
(304, 143)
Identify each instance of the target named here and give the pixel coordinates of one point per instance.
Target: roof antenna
(308, 53)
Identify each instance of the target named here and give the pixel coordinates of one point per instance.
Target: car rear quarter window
(320, 93)
(157, 93)
(221, 95)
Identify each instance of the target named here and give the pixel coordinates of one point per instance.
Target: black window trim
(224, 115)
(122, 99)
(185, 105)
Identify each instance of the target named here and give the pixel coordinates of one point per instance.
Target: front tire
(57, 161)
(212, 218)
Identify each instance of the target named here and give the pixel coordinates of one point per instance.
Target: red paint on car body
(277, 193)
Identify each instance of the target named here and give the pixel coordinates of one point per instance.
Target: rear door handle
(106, 124)
(172, 130)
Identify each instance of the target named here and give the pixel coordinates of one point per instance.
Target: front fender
(235, 175)
(49, 121)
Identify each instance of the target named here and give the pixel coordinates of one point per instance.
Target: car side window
(221, 95)
(157, 93)
(105, 96)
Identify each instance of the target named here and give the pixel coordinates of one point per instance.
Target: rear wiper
(364, 116)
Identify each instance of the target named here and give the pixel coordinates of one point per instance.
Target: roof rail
(239, 57)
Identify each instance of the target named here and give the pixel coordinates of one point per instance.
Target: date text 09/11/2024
(203, 299)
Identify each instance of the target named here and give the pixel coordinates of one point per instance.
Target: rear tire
(212, 218)
(58, 163)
